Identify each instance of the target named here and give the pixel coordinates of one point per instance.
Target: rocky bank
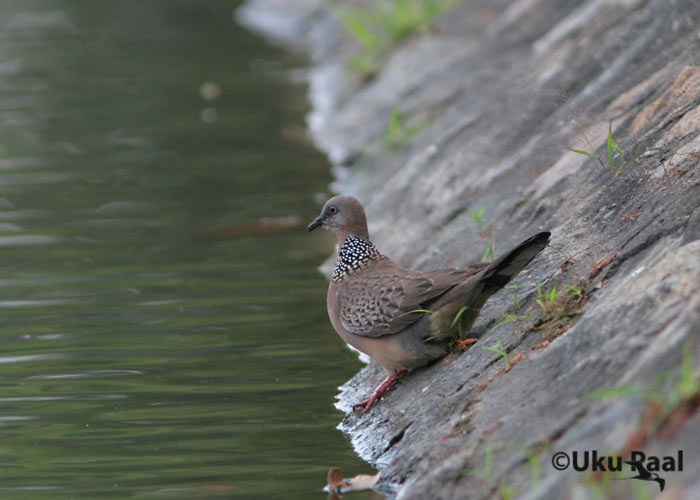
(487, 104)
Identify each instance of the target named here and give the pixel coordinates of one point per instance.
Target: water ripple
(30, 357)
(17, 418)
(96, 397)
(34, 303)
(27, 239)
(90, 374)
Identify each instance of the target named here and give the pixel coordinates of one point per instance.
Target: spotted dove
(380, 308)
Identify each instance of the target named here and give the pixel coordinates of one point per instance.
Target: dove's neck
(354, 254)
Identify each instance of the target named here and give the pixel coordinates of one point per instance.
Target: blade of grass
(582, 152)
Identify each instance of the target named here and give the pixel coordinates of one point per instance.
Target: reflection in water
(163, 327)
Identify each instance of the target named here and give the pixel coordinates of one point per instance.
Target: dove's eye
(332, 210)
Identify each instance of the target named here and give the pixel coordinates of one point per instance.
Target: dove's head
(343, 215)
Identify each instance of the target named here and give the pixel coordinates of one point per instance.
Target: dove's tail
(463, 302)
(502, 270)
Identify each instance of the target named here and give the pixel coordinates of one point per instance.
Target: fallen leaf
(464, 343)
(605, 262)
(631, 216)
(599, 266)
(517, 358)
(542, 345)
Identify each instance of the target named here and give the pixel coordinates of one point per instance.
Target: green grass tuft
(397, 133)
(377, 30)
(685, 387)
(617, 158)
(499, 350)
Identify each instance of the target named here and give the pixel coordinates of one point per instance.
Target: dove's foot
(387, 384)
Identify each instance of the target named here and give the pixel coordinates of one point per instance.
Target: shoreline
(498, 97)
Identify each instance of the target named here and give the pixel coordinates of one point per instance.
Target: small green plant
(625, 391)
(686, 387)
(612, 147)
(397, 134)
(640, 491)
(575, 290)
(516, 302)
(533, 460)
(507, 491)
(378, 29)
(545, 301)
(549, 301)
(477, 217)
(558, 308)
(488, 460)
(448, 327)
(592, 153)
(424, 311)
(598, 487)
(689, 382)
(485, 473)
(457, 317)
(499, 350)
(489, 253)
(507, 318)
(602, 486)
(515, 315)
(357, 22)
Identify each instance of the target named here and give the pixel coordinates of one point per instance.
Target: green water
(157, 339)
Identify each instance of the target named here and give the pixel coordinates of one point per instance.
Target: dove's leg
(387, 384)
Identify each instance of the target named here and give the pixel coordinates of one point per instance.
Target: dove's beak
(318, 222)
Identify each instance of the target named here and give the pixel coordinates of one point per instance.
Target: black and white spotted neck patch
(354, 255)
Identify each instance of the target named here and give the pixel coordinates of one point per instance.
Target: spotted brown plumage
(378, 307)
(380, 299)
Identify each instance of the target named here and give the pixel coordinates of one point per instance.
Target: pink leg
(387, 384)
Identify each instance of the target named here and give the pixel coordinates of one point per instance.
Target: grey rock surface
(504, 90)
